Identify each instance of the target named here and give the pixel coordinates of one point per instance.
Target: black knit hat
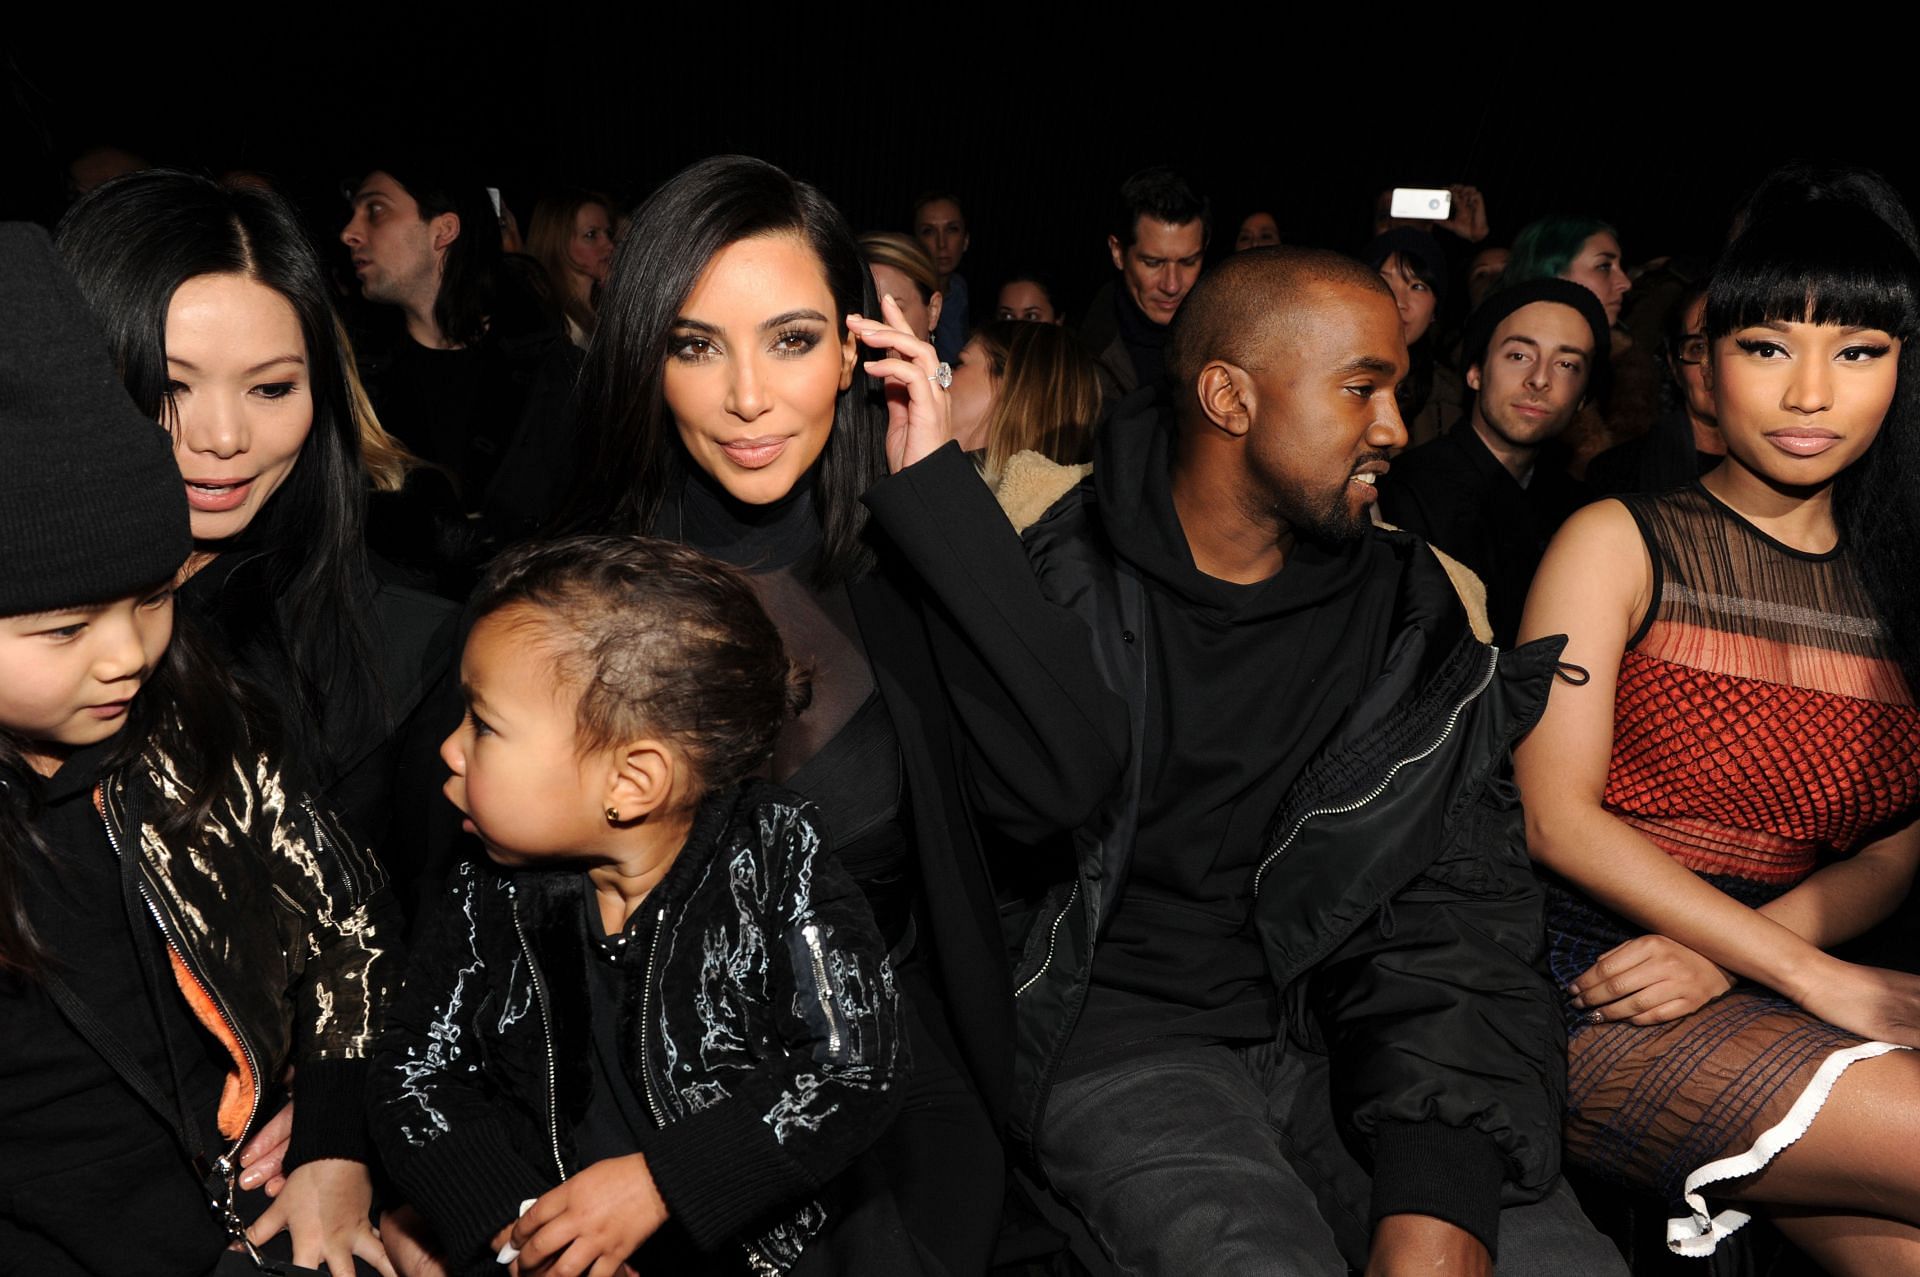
(1497, 306)
(91, 502)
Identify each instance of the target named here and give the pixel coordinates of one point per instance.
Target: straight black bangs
(1822, 262)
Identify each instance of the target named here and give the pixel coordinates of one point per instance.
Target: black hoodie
(1244, 683)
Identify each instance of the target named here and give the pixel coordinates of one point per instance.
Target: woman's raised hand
(919, 416)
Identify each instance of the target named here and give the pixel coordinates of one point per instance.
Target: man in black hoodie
(1288, 1013)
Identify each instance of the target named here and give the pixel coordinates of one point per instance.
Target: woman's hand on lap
(324, 1207)
(263, 1156)
(919, 416)
(1648, 980)
(1872, 1002)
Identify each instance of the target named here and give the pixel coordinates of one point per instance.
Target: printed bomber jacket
(282, 935)
(760, 1017)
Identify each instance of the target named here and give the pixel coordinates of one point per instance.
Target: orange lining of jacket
(236, 1094)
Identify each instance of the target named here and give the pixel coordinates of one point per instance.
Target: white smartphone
(493, 193)
(1421, 202)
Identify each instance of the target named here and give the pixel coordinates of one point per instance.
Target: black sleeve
(1045, 739)
(1448, 1058)
(438, 1123)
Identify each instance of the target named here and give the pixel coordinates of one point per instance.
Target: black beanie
(1497, 306)
(91, 503)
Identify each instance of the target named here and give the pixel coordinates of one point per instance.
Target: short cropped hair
(1163, 195)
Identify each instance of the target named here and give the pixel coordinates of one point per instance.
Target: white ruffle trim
(1696, 1236)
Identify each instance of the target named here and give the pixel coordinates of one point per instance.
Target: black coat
(761, 1024)
(1400, 852)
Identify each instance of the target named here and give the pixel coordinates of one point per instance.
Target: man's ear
(643, 779)
(1473, 377)
(1118, 253)
(445, 229)
(1226, 397)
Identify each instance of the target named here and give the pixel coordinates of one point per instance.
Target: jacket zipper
(1386, 780)
(225, 1165)
(646, 1020)
(546, 1025)
(812, 934)
(1053, 935)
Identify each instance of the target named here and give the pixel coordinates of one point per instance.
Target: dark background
(1033, 133)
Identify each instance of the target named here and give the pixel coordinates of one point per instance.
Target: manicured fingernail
(249, 1179)
(1579, 1001)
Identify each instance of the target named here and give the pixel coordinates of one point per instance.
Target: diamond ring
(942, 376)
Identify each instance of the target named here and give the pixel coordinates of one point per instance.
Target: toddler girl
(663, 1008)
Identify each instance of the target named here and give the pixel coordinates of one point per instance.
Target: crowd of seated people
(705, 741)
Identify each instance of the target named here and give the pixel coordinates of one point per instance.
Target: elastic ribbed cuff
(1427, 1168)
(469, 1183)
(329, 1112)
(721, 1170)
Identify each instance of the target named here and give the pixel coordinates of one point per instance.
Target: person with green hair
(1586, 251)
(1583, 249)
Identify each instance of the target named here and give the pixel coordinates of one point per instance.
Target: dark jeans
(1225, 1160)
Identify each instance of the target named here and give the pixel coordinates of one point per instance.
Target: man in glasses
(1685, 441)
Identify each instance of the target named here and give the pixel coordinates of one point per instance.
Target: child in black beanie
(176, 923)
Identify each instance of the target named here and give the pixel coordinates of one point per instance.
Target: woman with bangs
(1724, 783)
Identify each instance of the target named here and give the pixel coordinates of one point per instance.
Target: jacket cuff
(721, 1170)
(897, 496)
(1450, 1173)
(329, 1112)
(469, 1183)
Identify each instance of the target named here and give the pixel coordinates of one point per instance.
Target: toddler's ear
(647, 776)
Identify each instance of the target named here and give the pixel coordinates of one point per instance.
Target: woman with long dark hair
(179, 920)
(1432, 395)
(217, 313)
(1725, 784)
(723, 404)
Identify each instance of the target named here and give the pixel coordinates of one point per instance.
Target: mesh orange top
(1760, 723)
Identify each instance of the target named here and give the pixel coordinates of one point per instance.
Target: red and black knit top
(1760, 724)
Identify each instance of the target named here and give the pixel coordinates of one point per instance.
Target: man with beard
(1278, 1004)
(1483, 492)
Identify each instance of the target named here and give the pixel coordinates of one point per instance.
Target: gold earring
(613, 815)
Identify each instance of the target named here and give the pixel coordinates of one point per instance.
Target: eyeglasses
(1692, 349)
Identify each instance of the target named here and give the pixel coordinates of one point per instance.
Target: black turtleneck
(841, 752)
(1146, 341)
(1243, 684)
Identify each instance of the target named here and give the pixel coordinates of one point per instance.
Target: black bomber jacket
(1394, 898)
(766, 1027)
(283, 936)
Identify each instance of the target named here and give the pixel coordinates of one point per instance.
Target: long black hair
(1842, 261)
(130, 244)
(630, 458)
(192, 712)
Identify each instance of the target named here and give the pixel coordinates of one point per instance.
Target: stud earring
(613, 815)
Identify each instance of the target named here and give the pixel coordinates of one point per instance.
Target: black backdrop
(1035, 141)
